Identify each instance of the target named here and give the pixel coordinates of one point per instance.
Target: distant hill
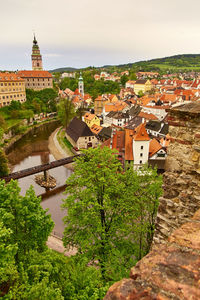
(65, 69)
(187, 62)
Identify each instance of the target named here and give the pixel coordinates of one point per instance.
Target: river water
(31, 151)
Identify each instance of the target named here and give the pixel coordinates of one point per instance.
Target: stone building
(37, 80)
(80, 135)
(12, 88)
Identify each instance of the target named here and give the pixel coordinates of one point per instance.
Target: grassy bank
(63, 142)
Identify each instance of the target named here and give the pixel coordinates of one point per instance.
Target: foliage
(4, 170)
(140, 94)
(8, 271)
(143, 189)
(104, 215)
(41, 101)
(70, 83)
(28, 270)
(65, 111)
(124, 79)
(23, 215)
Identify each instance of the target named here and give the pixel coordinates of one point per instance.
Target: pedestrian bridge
(40, 168)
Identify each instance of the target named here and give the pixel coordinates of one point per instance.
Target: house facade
(80, 135)
(12, 88)
(37, 80)
(91, 119)
(142, 85)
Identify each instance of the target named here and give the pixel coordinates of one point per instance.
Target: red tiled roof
(89, 116)
(34, 74)
(118, 140)
(5, 76)
(154, 147)
(96, 128)
(141, 133)
(147, 116)
(129, 144)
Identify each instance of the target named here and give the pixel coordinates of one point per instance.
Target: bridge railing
(40, 168)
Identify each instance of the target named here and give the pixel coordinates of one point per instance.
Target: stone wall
(181, 188)
(169, 271)
(172, 269)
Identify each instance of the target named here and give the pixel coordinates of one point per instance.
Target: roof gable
(77, 129)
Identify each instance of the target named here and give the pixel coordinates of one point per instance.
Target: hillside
(181, 62)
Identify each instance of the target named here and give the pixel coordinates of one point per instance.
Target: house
(157, 129)
(80, 135)
(130, 84)
(99, 103)
(117, 118)
(135, 148)
(91, 119)
(36, 79)
(96, 129)
(12, 88)
(142, 85)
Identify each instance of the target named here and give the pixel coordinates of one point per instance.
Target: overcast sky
(81, 33)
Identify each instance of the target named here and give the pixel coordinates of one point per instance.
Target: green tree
(4, 170)
(124, 79)
(140, 94)
(65, 111)
(104, 212)
(143, 190)
(23, 215)
(8, 270)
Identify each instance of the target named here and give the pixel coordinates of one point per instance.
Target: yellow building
(142, 85)
(100, 102)
(12, 88)
(91, 119)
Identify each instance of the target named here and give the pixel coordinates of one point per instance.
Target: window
(141, 154)
(142, 147)
(89, 138)
(140, 161)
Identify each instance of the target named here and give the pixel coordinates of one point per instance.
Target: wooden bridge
(40, 168)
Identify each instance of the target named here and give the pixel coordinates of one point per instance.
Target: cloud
(97, 32)
(51, 55)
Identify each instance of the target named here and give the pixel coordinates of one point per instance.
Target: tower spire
(36, 56)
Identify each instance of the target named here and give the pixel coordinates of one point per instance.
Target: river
(32, 150)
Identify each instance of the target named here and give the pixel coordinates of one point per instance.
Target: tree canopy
(111, 213)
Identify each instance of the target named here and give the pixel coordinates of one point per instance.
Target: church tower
(81, 85)
(36, 56)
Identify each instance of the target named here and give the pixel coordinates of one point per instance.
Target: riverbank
(57, 151)
(29, 130)
(54, 242)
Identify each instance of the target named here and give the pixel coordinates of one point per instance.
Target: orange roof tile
(89, 116)
(165, 142)
(154, 147)
(147, 116)
(118, 140)
(96, 128)
(129, 144)
(141, 133)
(5, 76)
(168, 98)
(34, 74)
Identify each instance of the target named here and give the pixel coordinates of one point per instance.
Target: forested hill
(176, 62)
(185, 62)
